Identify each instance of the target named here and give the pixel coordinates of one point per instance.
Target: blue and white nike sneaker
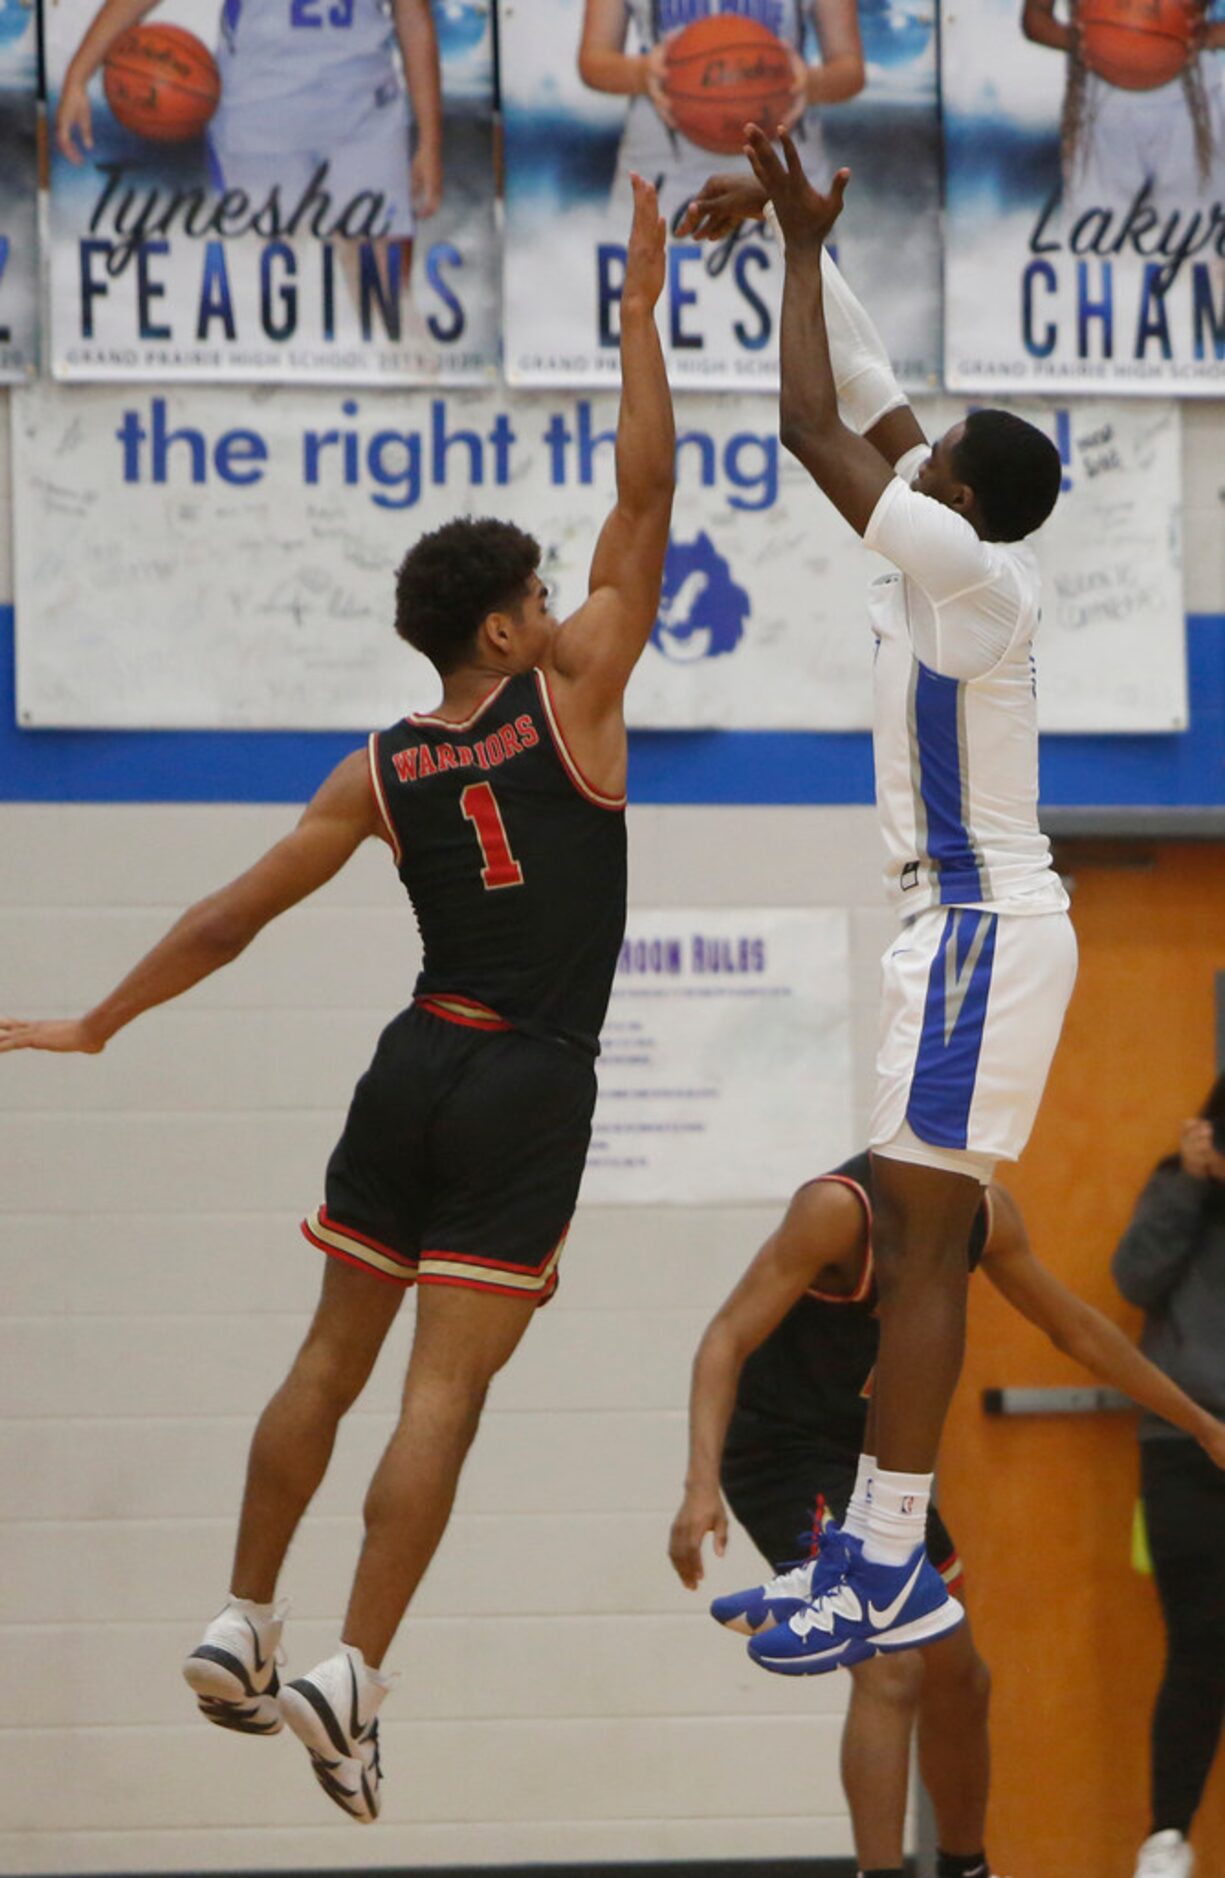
(871, 1609)
(762, 1606)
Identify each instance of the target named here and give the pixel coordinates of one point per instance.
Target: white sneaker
(332, 1711)
(233, 1671)
(1165, 1855)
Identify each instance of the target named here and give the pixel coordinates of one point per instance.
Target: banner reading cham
(665, 87)
(273, 189)
(18, 191)
(1085, 144)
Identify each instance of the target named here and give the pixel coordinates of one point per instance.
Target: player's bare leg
(462, 1340)
(954, 1748)
(920, 1234)
(233, 1668)
(295, 1435)
(876, 1739)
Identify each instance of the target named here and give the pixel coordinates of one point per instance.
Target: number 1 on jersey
(479, 806)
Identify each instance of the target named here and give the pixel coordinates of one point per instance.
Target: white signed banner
(191, 558)
(726, 1065)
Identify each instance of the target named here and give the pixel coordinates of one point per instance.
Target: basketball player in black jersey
(460, 1161)
(779, 1412)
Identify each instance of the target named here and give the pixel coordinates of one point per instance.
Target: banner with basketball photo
(592, 92)
(1085, 155)
(273, 189)
(18, 191)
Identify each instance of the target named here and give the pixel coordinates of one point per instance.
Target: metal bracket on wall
(1056, 1402)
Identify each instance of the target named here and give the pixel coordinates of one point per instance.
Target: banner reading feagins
(1085, 237)
(18, 191)
(273, 189)
(665, 87)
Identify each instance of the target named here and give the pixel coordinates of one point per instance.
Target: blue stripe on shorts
(946, 1066)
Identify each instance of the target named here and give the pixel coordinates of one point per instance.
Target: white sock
(375, 1676)
(258, 1613)
(856, 1518)
(897, 1516)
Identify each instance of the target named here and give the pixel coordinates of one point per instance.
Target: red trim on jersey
(465, 1011)
(376, 783)
(452, 723)
(563, 750)
(359, 1265)
(864, 1286)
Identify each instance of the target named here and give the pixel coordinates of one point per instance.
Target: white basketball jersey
(288, 63)
(955, 712)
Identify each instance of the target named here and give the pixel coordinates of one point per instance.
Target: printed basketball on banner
(273, 189)
(723, 72)
(1136, 44)
(162, 82)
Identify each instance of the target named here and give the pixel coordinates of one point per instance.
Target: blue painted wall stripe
(805, 767)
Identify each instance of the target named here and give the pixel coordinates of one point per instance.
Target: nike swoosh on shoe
(881, 1620)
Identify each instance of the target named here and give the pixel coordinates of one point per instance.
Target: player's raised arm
(73, 118)
(850, 470)
(598, 647)
(216, 929)
(824, 1225)
(1084, 1333)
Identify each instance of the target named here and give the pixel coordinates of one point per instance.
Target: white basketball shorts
(972, 1004)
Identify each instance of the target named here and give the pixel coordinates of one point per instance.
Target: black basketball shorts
(783, 1493)
(461, 1158)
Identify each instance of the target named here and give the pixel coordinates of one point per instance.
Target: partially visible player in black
(779, 1415)
(461, 1157)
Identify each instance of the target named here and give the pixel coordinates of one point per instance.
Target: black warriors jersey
(515, 866)
(813, 1372)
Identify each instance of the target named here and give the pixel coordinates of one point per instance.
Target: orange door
(1042, 1509)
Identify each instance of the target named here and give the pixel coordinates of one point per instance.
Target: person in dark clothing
(1171, 1262)
(461, 1157)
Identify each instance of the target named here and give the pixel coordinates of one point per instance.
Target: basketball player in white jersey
(305, 82)
(975, 988)
(1115, 140)
(651, 144)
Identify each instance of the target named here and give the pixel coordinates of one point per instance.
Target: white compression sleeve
(863, 376)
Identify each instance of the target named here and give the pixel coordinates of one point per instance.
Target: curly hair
(453, 578)
(1014, 470)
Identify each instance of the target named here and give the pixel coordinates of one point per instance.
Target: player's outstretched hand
(805, 215)
(701, 1512)
(646, 257)
(63, 1033)
(721, 204)
(73, 120)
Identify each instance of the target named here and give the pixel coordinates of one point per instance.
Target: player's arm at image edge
(1082, 1332)
(215, 930)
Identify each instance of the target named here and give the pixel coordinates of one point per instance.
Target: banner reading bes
(18, 191)
(664, 87)
(1085, 234)
(273, 189)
